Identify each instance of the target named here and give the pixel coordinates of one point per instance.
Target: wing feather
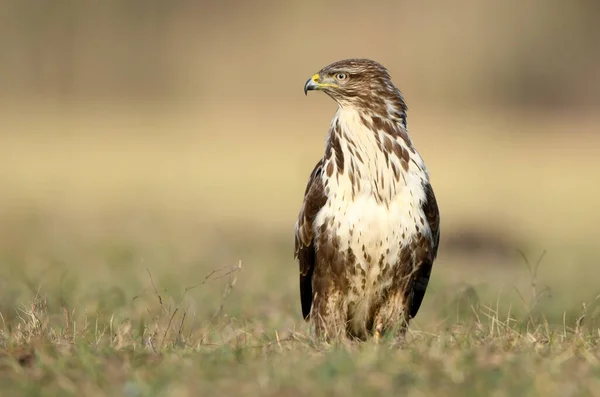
(427, 256)
(314, 200)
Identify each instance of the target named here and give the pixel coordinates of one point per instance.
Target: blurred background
(173, 137)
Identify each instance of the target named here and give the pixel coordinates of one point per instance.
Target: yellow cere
(316, 78)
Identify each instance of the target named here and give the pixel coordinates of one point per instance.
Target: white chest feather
(374, 202)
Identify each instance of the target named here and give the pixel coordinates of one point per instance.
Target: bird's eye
(341, 76)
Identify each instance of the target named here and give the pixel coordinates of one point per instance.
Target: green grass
(145, 329)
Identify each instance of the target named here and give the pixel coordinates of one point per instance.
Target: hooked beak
(312, 83)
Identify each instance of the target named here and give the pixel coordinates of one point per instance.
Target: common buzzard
(368, 229)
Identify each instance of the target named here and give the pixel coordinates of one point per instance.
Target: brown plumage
(368, 229)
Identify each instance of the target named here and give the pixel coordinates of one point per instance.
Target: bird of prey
(368, 229)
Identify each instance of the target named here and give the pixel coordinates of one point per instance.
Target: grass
(98, 324)
(159, 348)
(130, 267)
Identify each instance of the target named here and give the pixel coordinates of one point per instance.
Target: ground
(135, 264)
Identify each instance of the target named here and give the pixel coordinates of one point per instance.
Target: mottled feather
(314, 199)
(367, 233)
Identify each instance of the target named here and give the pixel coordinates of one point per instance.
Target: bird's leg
(378, 325)
(377, 333)
(402, 326)
(328, 315)
(401, 333)
(390, 317)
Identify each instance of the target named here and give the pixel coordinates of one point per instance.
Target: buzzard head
(360, 83)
